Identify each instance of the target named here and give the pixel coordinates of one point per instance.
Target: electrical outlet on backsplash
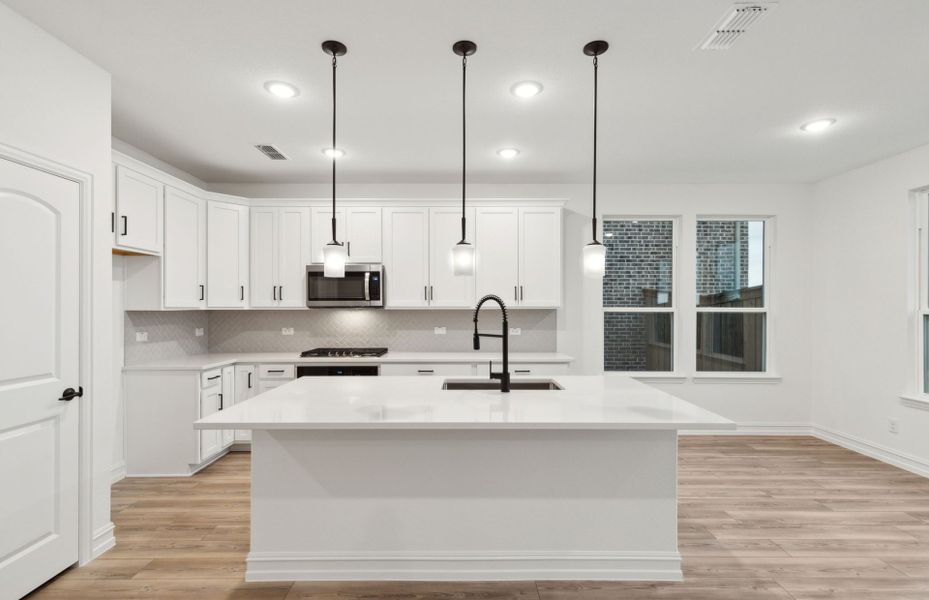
(169, 334)
(399, 330)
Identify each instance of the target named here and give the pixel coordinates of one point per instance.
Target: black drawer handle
(275, 370)
(524, 370)
(213, 377)
(425, 370)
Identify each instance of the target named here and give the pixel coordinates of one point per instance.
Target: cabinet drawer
(211, 377)
(427, 369)
(527, 369)
(275, 371)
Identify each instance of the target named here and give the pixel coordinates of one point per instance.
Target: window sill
(736, 378)
(652, 377)
(918, 401)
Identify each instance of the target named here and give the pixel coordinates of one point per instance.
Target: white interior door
(496, 248)
(448, 290)
(363, 235)
(406, 254)
(227, 255)
(39, 321)
(540, 257)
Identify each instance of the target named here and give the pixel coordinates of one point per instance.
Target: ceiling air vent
(740, 17)
(270, 151)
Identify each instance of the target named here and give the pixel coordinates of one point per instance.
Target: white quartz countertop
(586, 402)
(199, 362)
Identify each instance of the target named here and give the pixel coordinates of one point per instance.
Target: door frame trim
(85, 183)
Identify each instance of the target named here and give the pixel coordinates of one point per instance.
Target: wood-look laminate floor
(760, 517)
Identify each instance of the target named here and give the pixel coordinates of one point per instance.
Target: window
(731, 304)
(922, 286)
(638, 295)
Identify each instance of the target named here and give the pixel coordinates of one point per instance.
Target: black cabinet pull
(524, 370)
(275, 370)
(201, 291)
(125, 225)
(280, 292)
(220, 402)
(242, 292)
(112, 222)
(69, 394)
(520, 293)
(425, 371)
(249, 379)
(213, 377)
(274, 292)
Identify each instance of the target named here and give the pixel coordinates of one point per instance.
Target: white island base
(459, 505)
(395, 478)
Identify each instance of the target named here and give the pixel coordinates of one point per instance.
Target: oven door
(361, 286)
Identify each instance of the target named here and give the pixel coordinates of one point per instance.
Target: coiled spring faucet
(504, 375)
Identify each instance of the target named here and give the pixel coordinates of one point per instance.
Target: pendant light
(463, 252)
(334, 255)
(594, 254)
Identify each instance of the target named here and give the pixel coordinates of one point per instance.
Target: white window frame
(768, 301)
(674, 309)
(922, 289)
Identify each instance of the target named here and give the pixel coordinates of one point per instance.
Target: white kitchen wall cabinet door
(185, 250)
(39, 265)
(406, 257)
(227, 255)
(246, 386)
(321, 225)
(137, 222)
(293, 239)
(263, 260)
(226, 400)
(363, 234)
(448, 290)
(497, 249)
(540, 257)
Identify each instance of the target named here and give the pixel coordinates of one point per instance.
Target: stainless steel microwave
(363, 285)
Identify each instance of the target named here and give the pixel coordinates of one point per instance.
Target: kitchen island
(396, 478)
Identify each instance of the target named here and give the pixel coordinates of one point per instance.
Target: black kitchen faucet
(503, 376)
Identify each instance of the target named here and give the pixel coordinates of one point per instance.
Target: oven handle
(367, 285)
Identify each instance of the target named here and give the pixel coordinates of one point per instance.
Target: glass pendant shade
(594, 257)
(463, 258)
(334, 259)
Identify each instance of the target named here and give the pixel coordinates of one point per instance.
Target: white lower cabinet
(227, 399)
(211, 442)
(477, 368)
(271, 376)
(246, 386)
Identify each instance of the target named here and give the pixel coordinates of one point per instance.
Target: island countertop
(586, 402)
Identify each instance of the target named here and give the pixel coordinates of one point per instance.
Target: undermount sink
(493, 384)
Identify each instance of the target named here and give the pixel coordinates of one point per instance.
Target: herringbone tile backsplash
(399, 330)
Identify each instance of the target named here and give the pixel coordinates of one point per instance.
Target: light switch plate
(516, 331)
(439, 330)
(141, 336)
(198, 332)
(287, 330)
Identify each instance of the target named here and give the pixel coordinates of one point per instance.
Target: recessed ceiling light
(508, 153)
(526, 89)
(817, 125)
(282, 89)
(334, 152)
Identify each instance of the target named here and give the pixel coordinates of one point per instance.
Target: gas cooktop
(344, 352)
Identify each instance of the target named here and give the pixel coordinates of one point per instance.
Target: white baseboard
(904, 461)
(103, 540)
(475, 566)
(118, 472)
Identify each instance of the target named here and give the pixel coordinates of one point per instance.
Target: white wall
(864, 296)
(56, 104)
(781, 405)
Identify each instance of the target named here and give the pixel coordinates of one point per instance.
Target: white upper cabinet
(497, 250)
(321, 227)
(363, 234)
(185, 250)
(280, 251)
(227, 255)
(447, 290)
(539, 257)
(137, 222)
(406, 257)
(358, 227)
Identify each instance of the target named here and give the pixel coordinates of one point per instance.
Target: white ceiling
(188, 75)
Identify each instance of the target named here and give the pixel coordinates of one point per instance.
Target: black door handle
(125, 225)
(69, 394)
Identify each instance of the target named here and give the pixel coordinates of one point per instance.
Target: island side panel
(464, 505)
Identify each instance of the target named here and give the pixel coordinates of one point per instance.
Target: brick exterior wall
(719, 243)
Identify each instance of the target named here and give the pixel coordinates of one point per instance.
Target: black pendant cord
(334, 61)
(464, 143)
(594, 216)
